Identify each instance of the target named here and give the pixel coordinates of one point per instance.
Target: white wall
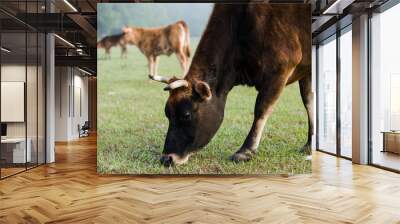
(62, 82)
(33, 126)
(70, 83)
(79, 117)
(17, 73)
(12, 73)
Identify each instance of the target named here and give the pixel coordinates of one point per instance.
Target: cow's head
(99, 45)
(194, 116)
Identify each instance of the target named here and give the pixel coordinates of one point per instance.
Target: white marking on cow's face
(179, 160)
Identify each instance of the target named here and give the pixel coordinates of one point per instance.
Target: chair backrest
(86, 125)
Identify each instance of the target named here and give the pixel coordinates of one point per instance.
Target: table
(391, 141)
(15, 148)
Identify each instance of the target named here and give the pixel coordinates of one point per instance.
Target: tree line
(112, 16)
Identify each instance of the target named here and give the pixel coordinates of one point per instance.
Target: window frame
(31, 30)
(379, 10)
(333, 37)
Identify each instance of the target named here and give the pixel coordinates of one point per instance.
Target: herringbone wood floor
(70, 191)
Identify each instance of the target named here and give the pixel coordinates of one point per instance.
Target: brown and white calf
(266, 46)
(153, 42)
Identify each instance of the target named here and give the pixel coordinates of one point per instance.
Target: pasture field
(132, 124)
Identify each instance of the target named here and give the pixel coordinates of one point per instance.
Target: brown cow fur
(267, 46)
(153, 42)
(111, 41)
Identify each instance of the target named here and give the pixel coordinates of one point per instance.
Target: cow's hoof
(241, 157)
(306, 149)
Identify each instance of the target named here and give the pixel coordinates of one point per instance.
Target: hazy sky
(112, 16)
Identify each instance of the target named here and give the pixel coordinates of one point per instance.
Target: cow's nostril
(166, 160)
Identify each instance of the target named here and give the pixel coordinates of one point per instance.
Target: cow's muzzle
(173, 159)
(166, 160)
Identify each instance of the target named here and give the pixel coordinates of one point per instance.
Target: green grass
(132, 125)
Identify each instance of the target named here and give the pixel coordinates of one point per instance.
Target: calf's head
(131, 34)
(194, 116)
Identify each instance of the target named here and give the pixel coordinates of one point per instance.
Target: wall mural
(204, 89)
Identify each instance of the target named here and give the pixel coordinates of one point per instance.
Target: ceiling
(74, 22)
(19, 54)
(330, 16)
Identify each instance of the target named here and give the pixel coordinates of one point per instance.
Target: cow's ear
(203, 90)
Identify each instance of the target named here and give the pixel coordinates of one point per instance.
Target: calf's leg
(155, 69)
(307, 97)
(108, 55)
(123, 51)
(183, 61)
(151, 61)
(265, 102)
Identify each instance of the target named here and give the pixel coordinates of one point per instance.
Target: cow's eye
(186, 116)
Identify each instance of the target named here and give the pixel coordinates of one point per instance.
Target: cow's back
(278, 38)
(252, 42)
(162, 40)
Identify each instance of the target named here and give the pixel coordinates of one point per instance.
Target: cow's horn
(177, 84)
(159, 78)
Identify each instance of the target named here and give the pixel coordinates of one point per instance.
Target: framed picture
(204, 88)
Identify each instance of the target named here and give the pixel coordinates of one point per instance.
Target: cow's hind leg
(183, 61)
(124, 53)
(265, 102)
(307, 97)
(108, 55)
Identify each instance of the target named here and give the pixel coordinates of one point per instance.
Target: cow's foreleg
(266, 99)
(155, 69)
(307, 97)
(151, 61)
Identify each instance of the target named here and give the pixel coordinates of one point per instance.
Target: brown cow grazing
(166, 40)
(111, 41)
(267, 46)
